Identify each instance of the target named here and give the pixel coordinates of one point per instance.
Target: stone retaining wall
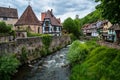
(33, 45)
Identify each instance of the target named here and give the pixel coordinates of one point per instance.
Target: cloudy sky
(61, 8)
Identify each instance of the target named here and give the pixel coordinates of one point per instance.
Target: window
(54, 28)
(59, 29)
(46, 28)
(47, 23)
(4, 18)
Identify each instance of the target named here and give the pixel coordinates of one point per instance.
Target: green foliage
(91, 18)
(73, 38)
(44, 51)
(8, 65)
(69, 25)
(77, 52)
(46, 40)
(33, 34)
(23, 56)
(110, 9)
(72, 26)
(101, 63)
(5, 28)
(91, 44)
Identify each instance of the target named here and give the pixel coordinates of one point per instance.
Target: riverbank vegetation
(93, 62)
(8, 66)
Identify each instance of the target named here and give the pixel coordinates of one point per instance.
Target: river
(52, 67)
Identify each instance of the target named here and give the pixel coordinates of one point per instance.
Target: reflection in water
(53, 67)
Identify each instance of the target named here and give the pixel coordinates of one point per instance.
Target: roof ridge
(53, 19)
(28, 17)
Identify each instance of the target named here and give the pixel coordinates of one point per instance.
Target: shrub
(91, 45)
(4, 28)
(8, 65)
(46, 40)
(77, 52)
(73, 37)
(24, 53)
(33, 34)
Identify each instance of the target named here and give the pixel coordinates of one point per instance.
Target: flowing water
(53, 67)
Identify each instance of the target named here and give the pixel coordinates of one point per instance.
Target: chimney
(43, 16)
(59, 20)
(51, 10)
(9, 6)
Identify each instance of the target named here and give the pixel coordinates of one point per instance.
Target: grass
(101, 63)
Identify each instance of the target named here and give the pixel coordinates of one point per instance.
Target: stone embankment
(33, 46)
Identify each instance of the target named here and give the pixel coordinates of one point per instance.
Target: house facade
(111, 34)
(8, 15)
(94, 32)
(50, 24)
(28, 22)
(106, 25)
(114, 33)
(104, 29)
(90, 30)
(86, 30)
(99, 28)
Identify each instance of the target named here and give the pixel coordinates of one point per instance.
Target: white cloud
(61, 8)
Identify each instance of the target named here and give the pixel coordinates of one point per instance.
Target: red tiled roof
(28, 18)
(8, 12)
(53, 19)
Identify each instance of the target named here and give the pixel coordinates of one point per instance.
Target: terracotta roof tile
(53, 19)
(28, 18)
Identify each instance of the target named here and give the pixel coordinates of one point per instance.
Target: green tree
(69, 25)
(72, 26)
(110, 9)
(5, 28)
(78, 31)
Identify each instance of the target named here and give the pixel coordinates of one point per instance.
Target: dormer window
(5, 18)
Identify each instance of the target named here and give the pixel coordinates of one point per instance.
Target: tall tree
(110, 10)
(71, 26)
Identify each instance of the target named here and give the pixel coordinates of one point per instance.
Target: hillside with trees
(91, 18)
(73, 26)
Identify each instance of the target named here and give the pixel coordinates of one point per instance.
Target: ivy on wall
(46, 40)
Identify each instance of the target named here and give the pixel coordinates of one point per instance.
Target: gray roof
(8, 12)
(115, 27)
